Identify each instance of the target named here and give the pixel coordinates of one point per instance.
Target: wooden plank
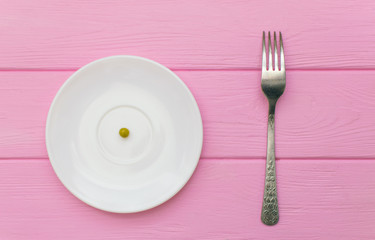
(318, 200)
(210, 34)
(322, 114)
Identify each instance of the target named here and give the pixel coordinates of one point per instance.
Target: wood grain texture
(322, 114)
(215, 47)
(210, 34)
(318, 200)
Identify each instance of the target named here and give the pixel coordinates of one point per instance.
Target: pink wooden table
(325, 126)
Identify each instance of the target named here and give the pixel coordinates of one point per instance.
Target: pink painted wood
(50, 34)
(327, 114)
(318, 200)
(322, 113)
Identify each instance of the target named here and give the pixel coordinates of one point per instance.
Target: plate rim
(51, 155)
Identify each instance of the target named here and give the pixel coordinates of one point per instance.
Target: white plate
(119, 174)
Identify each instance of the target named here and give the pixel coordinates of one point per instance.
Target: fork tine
(264, 56)
(275, 51)
(270, 68)
(282, 63)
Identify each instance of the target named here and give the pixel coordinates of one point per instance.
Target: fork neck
(271, 106)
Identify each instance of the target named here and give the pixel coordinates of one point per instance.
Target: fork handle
(270, 209)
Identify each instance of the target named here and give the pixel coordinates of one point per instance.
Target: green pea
(124, 132)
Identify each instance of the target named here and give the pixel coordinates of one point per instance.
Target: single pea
(124, 132)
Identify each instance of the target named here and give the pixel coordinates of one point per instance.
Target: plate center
(124, 150)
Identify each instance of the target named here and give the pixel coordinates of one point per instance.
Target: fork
(273, 85)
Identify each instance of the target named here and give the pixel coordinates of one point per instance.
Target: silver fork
(273, 85)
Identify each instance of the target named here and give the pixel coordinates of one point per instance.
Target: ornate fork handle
(270, 209)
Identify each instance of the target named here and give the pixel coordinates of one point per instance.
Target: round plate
(106, 170)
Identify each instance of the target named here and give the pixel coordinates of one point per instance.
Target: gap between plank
(187, 69)
(227, 158)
